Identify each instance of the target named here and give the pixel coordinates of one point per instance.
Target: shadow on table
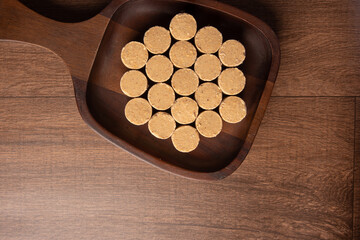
(67, 10)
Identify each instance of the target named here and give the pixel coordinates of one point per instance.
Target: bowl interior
(106, 102)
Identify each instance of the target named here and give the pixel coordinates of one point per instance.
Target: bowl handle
(75, 43)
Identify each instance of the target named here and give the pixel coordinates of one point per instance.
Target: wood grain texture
(59, 180)
(320, 46)
(45, 73)
(356, 209)
(75, 43)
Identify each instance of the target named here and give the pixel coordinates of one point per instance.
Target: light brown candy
(138, 111)
(185, 139)
(232, 53)
(231, 81)
(157, 40)
(183, 26)
(159, 68)
(162, 125)
(184, 110)
(134, 55)
(185, 81)
(208, 96)
(209, 124)
(207, 67)
(183, 54)
(161, 96)
(208, 39)
(133, 83)
(233, 109)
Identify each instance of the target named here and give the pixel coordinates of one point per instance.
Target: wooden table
(60, 180)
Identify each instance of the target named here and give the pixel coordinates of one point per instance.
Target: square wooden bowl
(214, 158)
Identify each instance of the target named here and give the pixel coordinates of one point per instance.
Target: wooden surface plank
(60, 180)
(320, 48)
(28, 70)
(356, 209)
(319, 41)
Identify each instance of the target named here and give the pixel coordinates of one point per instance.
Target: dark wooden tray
(92, 48)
